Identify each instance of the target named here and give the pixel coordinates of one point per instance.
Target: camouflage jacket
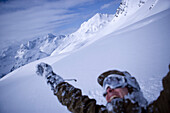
(162, 104)
(77, 103)
(72, 97)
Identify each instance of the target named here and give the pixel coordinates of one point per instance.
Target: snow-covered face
(115, 93)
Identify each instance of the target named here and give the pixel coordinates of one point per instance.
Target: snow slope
(141, 49)
(129, 12)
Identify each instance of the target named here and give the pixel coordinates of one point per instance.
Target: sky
(23, 20)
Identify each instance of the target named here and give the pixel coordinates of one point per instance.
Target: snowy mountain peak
(44, 45)
(31, 44)
(19, 55)
(99, 17)
(23, 46)
(50, 35)
(128, 7)
(94, 24)
(30, 51)
(84, 33)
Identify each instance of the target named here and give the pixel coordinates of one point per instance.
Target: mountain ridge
(52, 45)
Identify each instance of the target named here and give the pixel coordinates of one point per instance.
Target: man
(122, 93)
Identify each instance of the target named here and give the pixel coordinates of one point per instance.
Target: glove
(46, 70)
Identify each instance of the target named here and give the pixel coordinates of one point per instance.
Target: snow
(101, 25)
(84, 34)
(129, 12)
(97, 22)
(17, 56)
(140, 47)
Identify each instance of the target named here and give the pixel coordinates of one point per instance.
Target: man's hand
(46, 70)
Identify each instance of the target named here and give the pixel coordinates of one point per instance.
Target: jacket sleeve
(75, 101)
(162, 104)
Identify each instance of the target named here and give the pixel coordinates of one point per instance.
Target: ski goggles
(114, 81)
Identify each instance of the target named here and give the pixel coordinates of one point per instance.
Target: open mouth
(113, 97)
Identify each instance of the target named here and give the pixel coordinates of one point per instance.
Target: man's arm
(75, 101)
(67, 94)
(162, 104)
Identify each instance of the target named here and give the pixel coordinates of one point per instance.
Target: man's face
(115, 93)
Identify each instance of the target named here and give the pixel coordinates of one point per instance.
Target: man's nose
(109, 90)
